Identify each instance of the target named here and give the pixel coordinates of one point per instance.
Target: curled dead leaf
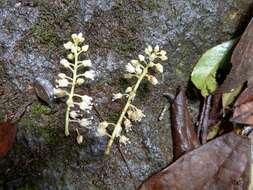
(183, 134)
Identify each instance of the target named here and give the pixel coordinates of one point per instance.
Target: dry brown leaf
(221, 164)
(183, 134)
(242, 62)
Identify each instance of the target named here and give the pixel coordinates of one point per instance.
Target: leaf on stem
(204, 73)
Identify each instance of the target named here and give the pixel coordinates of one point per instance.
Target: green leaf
(228, 98)
(204, 73)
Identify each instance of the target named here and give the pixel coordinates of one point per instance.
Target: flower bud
(65, 63)
(85, 48)
(86, 63)
(129, 89)
(153, 80)
(80, 81)
(159, 67)
(156, 49)
(141, 57)
(62, 75)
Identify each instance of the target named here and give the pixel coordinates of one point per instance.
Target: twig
(200, 124)
(204, 120)
(129, 169)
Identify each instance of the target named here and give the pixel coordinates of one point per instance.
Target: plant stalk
(71, 94)
(125, 109)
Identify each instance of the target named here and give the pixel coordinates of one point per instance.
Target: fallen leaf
(204, 73)
(183, 134)
(243, 107)
(242, 62)
(7, 137)
(213, 131)
(221, 164)
(245, 96)
(243, 114)
(229, 97)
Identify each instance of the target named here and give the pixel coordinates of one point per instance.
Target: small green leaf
(228, 98)
(204, 73)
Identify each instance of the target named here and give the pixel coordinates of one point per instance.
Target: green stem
(71, 94)
(129, 101)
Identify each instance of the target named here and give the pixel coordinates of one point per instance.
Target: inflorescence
(137, 68)
(76, 103)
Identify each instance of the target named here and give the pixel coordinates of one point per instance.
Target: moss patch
(38, 108)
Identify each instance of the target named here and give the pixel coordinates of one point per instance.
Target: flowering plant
(138, 68)
(66, 85)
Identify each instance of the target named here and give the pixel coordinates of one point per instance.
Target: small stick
(205, 123)
(101, 118)
(129, 169)
(161, 116)
(200, 124)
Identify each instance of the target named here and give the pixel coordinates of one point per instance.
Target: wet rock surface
(31, 36)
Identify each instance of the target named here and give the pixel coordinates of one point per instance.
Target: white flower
(129, 89)
(86, 98)
(85, 48)
(156, 49)
(135, 62)
(86, 63)
(124, 140)
(89, 74)
(84, 106)
(117, 96)
(73, 114)
(101, 130)
(138, 69)
(80, 81)
(117, 131)
(141, 57)
(62, 75)
(86, 103)
(152, 57)
(135, 115)
(84, 122)
(103, 124)
(77, 38)
(153, 80)
(68, 45)
(130, 68)
(63, 82)
(164, 58)
(65, 63)
(159, 67)
(59, 92)
(128, 125)
(148, 50)
(79, 137)
(163, 53)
